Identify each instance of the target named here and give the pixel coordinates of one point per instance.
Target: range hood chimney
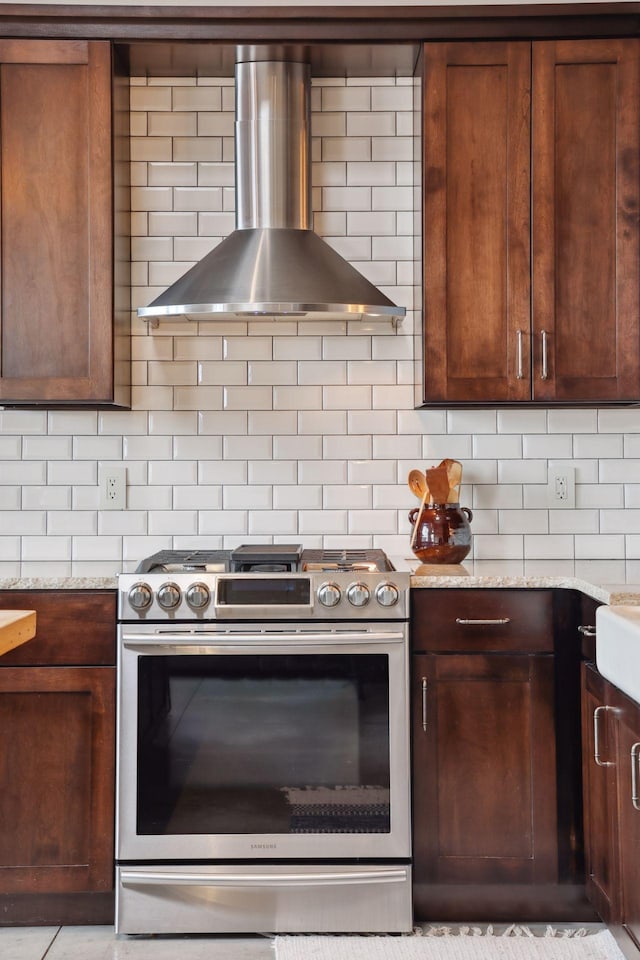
(273, 264)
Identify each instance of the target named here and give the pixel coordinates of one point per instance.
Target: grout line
(53, 940)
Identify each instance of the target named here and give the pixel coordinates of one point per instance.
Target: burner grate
(187, 559)
(349, 559)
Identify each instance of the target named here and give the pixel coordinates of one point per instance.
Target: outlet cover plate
(561, 485)
(113, 488)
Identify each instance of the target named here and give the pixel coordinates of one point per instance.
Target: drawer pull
(587, 631)
(483, 623)
(545, 361)
(424, 703)
(596, 738)
(520, 373)
(635, 799)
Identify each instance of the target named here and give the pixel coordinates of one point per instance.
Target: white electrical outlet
(561, 485)
(113, 489)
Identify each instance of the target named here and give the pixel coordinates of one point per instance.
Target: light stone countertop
(58, 583)
(433, 576)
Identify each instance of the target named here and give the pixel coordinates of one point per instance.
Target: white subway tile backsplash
(245, 448)
(149, 498)
(254, 497)
(573, 521)
(18, 472)
(297, 398)
(172, 522)
(214, 373)
(173, 472)
(497, 446)
(301, 447)
(620, 521)
(572, 421)
(170, 423)
(369, 471)
(201, 497)
(23, 523)
(80, 522)
(222, 422)
(9, 550)
(537, 546)
(618, 421)
(278, 430)
(273, 471)
(553, 446)
(202, 447)
(600, 571)
(46, 448)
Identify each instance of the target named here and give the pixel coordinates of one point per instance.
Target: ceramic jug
(443, 534)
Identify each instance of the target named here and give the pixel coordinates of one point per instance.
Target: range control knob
(329, 594)
(387, 594)
(140, 596)
(198, 596)
(358, 594)
(169, 596)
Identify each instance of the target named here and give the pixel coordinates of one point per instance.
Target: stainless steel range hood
(272, 265)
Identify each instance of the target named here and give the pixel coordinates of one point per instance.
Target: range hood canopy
(273, 264)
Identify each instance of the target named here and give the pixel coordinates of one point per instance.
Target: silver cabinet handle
(483, 623)
(635, 799)
(545, 363)
(596, 738)
(587, 631)
(424, 703)
(520, 372)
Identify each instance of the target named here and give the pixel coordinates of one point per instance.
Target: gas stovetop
(268, 558)
(267, 582)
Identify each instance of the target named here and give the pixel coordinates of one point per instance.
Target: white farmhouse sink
(618, 647)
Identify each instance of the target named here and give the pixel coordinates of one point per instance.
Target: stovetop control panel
(321, 595)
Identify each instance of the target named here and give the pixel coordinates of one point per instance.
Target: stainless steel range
(263, 743)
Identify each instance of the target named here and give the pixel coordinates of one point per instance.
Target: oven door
(284, 741)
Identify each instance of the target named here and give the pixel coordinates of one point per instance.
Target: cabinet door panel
(586, 199)
(57, 775)
(484, 769)
(56, 226)
(629, 819)
(600, 814)
(476, 222)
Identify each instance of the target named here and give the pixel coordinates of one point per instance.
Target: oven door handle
(140, 878)
(187, 640)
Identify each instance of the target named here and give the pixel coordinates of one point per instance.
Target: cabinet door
(586, 202)
(484, 769)
(629, 817)
(57, 776)
(56, 233)
(476, 222)
(599, 785)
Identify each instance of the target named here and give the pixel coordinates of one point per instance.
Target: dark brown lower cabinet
(629, 813)
(488, 815)
(600, 795)
(611, 723)
(57, 763)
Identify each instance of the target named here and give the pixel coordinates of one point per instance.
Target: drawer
(73, 627)
(480, 621)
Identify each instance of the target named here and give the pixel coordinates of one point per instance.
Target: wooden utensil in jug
(418, 483)
(438, 483)
(454, 474)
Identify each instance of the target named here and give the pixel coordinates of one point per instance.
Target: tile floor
(100, 943)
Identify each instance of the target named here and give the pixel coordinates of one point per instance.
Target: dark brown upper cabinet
(64, 310)
(531, 239)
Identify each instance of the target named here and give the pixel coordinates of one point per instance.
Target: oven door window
(263, 744)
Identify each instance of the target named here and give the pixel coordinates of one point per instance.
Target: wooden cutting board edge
(16, 627)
